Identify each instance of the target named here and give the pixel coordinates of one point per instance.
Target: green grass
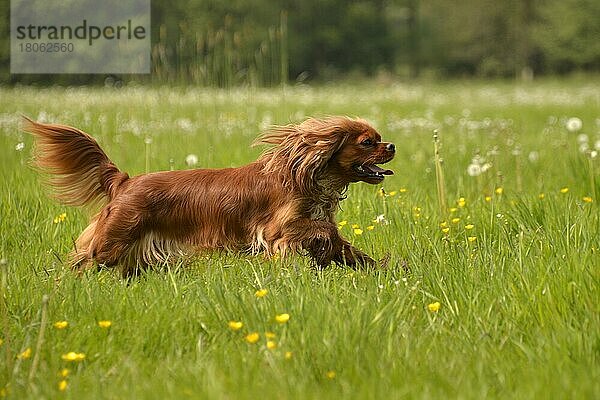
(519, 314)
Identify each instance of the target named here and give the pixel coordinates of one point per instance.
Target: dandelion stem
(518, 172)
(147, 155)
(439, 174)
(40, 339)
(592, 178)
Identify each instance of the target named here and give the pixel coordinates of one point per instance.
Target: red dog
(283, 202)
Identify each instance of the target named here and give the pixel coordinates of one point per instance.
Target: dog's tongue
(377, 170)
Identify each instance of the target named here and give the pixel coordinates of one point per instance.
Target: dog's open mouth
(371, 171)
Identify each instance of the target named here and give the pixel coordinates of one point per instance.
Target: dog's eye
(367, 142)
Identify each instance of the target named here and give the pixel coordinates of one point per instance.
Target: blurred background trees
(268, 42)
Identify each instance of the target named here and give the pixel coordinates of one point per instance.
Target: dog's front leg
(325, 245)
(352, 257)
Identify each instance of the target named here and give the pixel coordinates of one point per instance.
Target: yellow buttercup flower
(261, 293)
(104, 324)
(587, 199)
(469, 227)
(342, 223)
(61, 324)
(446, 230)
(443, 224)
(288, 355)
(403, 190)
(499, 190)
(358, 231)
(355, 226)
(434, 307)
(453, 210)
(62, 385)
(564, 190)
(455, 220)
(235, 325)
(252, 337)
(471, 239)
(72, 356)
(25, 354)
(64, 372)
(282, 318)
(60, 218)
(330, 374)
(461, 202)
(541, 196)
(270, 335)
(370, 227)
(271, 345)
(488, 198)
(392, 193)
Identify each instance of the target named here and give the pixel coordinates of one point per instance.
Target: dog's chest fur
(324, 203)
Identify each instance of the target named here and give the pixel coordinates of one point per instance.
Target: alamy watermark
(80, 36)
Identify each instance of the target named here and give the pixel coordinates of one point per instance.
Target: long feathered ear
(301, 151)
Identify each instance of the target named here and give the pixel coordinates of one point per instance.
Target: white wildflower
(20, 146)
(474, 170)
(582, 138)
(185, 124)
(533, 156)
(380, 219)
(574, 124)
(191, 160)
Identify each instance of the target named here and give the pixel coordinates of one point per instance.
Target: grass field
(513, 261)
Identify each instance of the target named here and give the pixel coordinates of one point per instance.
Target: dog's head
(340, 149)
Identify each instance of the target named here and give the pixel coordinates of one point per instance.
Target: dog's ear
(302, 151)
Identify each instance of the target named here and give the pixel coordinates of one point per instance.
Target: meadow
(495, 295)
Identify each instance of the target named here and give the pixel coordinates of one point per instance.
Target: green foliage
(518, 314)
(225, 44)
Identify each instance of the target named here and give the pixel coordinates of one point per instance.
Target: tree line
(270, 42)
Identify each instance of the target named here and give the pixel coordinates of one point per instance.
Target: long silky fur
(81, 172)
(284, 202)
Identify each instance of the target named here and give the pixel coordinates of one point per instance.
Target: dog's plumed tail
(81, 173)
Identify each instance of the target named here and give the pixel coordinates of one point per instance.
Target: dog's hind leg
(80, 258)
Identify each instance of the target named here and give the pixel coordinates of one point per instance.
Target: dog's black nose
(390, 147)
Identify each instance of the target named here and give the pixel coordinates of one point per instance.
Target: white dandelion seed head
(191, 160)
(582, 138)
(593, 154)
(42, 116)
(20, 146)
(474, 170)
(148, 140)
(597, 145)
(533, 156)
(485, 167)
(185, 124)
(583, 148)
(267, 121)
(574, 124)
